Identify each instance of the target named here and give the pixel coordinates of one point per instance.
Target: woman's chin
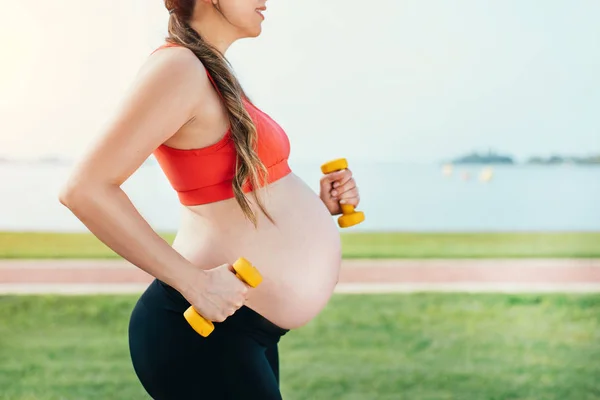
(255, 33)
(252, 31)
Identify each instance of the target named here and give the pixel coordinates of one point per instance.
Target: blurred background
(453, 116)
(472, 129)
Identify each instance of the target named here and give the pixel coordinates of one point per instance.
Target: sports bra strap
(213, 82)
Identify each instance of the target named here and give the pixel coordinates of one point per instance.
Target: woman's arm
(161, 100)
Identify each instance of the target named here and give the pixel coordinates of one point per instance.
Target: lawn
(355, 245)
(361, 347)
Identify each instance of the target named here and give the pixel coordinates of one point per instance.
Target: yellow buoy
(447, 169)
(486, 175)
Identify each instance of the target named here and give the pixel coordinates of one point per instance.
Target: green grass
(472, 245)
(361, 347)
(355, 245)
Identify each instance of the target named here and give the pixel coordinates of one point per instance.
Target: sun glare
(17, 55)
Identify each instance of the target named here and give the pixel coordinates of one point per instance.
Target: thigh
(245, 370)
(272, 354)
(173, 362)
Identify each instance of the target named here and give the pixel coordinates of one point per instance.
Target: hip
(173, 361)
(166, 303)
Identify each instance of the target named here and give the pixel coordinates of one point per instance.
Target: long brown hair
(243, 131)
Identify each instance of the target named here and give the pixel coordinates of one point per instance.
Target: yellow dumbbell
(247, 273)
(349, 217)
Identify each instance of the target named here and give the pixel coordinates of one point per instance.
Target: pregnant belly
(299, 257)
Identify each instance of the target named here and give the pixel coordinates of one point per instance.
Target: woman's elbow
(68, 195)
(73, 194)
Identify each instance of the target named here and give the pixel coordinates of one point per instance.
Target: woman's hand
(339, 187)
(217, 293)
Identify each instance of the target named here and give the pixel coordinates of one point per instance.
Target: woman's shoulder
(174, 73)
(167, 45)
(174, 53)
(174, 62)
(185, 61)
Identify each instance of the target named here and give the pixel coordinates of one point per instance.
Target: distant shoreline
(520, 164)
(492, 158)
(456, 162)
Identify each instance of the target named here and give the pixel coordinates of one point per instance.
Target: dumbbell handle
(347, 209)
(245, 272)
(349, 216)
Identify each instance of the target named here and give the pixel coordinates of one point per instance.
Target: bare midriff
(299, 257)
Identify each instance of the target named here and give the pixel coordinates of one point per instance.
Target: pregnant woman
(227, 161)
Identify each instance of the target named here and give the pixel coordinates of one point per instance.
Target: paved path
(357, 276)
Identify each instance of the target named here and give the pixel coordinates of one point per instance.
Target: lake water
(399, 197)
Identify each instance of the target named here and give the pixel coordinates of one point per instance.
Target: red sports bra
(205, 175)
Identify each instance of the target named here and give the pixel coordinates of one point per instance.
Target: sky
(392, 80)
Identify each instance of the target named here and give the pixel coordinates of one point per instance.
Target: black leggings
(238, 360)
